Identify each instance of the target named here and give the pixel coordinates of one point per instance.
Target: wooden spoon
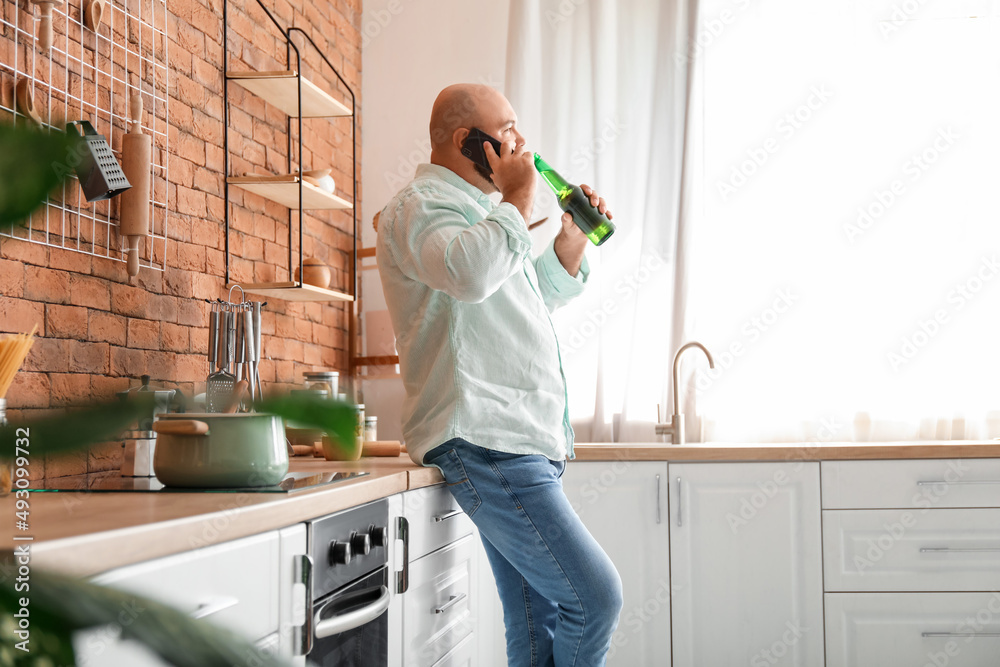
(93, 11)
(24, 99)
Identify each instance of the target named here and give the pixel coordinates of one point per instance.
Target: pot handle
(180, 427)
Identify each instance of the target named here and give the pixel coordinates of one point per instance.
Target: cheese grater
(101, 177)
(219, 389)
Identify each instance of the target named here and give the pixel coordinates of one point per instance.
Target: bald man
(486, 398)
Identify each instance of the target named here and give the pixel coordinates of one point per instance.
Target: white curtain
(848, 235)
(809, 188)
(602, 90)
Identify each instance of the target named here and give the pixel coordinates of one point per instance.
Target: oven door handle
(352, 619)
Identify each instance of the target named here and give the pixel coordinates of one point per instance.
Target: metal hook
(243, 295)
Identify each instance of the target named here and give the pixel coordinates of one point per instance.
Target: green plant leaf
(59, 605)
(77, 429)
(32, 162)
(336, 418)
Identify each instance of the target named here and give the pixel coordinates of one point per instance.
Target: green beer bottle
(594, 224)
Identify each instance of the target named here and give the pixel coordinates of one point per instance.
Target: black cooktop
(113, 482)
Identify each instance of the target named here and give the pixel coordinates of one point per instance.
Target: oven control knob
(340, 553)
(361, 544)
(379, 535)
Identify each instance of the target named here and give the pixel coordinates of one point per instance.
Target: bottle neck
(559, 185)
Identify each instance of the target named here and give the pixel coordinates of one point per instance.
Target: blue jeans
(561, 593)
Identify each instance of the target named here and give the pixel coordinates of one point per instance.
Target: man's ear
(459, 136)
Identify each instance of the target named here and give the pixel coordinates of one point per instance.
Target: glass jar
(371, 429)
(359, 425)
(328, 381)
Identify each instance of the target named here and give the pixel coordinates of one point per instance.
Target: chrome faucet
(676, 426)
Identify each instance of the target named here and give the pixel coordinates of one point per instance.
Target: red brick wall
(97, 332)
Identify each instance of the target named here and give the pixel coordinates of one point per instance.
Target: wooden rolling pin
(381, 448)
(133, 212)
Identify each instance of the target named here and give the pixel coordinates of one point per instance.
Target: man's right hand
(514, 175)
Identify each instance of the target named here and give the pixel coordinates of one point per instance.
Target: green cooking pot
(217, 450)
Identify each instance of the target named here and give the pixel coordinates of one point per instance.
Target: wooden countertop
(793, 451)
(86, 533)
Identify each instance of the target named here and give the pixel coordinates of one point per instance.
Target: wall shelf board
(280, 88)
(284, 190)
(292, 291)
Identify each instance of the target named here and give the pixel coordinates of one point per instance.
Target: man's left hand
(571, 242)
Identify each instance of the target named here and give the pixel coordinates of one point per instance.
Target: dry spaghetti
(13, 349)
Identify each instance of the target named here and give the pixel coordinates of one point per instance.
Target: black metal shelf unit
(292, 290)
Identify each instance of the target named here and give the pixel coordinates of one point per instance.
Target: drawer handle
(214, 606)
(452, 601)
(944, 550)
(444, 517)
(304, 575)
(679, 499)
(658, 499)
(960, 634)
(403, 533)
(938, 482)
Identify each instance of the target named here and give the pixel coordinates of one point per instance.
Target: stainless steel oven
(349, 595)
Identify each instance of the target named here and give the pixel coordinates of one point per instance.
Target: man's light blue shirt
(470, 308)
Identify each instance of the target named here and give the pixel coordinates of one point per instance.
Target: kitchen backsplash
(97, 332)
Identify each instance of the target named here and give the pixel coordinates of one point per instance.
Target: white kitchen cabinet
(912, 550)
(438, 572)
(237, 585)
(746, 564)
(912, 556)
(624, 506)
(918, 629)
(917, 484)
(438, 607)
(292, 593)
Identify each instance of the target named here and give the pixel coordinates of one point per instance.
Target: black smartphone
(472, 148)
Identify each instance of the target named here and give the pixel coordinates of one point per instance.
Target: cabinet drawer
(462, 655)
(234, 584)
(437, 609)
(435, 520)
(920, 484)
(910, 550)
(880, 629)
